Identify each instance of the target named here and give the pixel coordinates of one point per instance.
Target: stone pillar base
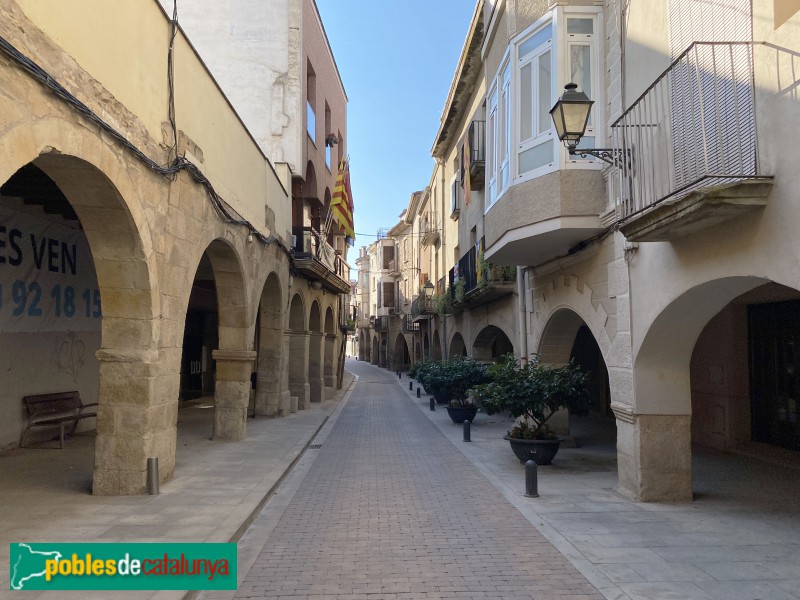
(232, 393)
(293, 404)
(654, 456)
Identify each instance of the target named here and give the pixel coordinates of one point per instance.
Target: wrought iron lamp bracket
(612, 156)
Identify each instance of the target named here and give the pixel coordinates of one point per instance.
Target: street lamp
(427, 289)
(570, 116)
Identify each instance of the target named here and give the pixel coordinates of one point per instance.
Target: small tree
(534, 393)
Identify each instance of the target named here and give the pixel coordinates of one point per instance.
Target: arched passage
(457, 346)
(216, 328)
(663, 390)
(298, 355)
(566, 337)
(330, 352)
(315, 353)
(491, 343)
(401, 358)
(269, 335)
(70, 240)
(437, 346)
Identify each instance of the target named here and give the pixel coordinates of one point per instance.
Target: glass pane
(536, 40)
(504, 176)
(490, 129)
(581, 26)
(580, 69)
(545, 100)
(507, 75)
(536, 157)
(525, 103)
(311, 121)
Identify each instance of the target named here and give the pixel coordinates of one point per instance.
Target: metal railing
(429, 228)
(422, 306)
(477, 142)
(308, 243)
(694, 127)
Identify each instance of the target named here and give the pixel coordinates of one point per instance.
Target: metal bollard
(399, 375)
(433, 404)
(418, 394)
(467, 427)
(152, 476)
(531, 480)
(410, 385)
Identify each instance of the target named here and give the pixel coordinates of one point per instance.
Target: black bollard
(410, 385)
(433, 404)
(531, 480)
(399, 375)
(418, 395)
(467, 427)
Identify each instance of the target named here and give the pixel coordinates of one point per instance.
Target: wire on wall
(178, 164)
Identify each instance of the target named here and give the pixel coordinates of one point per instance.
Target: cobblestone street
(390, 509)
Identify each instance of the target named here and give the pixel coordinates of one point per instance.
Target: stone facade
(148, 229)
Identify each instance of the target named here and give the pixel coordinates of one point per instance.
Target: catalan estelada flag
(342, 200)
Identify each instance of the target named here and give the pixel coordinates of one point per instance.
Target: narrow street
(390, 509)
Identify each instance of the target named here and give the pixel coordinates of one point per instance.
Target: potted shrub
(461, 375)
(532, 393)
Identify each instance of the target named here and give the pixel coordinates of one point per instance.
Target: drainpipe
(443, 215)
(523, 316)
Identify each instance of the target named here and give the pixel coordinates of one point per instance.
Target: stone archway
(299, 389)
(120, 356)
(233, 357)
(491, 343)
(655, 463)
(400, 357)
(330, 351)
(457, 346)
(270, 362)
(315, 353)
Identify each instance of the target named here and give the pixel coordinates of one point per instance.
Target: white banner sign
(47, 276)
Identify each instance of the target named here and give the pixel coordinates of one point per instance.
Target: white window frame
(499, 108)
(532, 58)
(596, 129)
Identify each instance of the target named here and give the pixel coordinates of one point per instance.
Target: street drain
(315, 446)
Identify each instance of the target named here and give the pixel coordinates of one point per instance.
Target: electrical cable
(176, 165)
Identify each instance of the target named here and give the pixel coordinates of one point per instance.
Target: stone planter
(459, 414)
(541, 452)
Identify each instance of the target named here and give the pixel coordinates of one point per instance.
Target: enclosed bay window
(561, 47)
(536, 145)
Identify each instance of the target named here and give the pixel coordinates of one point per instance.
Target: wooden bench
(55, 410)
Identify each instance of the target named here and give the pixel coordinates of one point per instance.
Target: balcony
(315, 259)
(477, 154)
(381, 324)
(422, 307)
(692, 142)
(409, 325)
(483, 282)
(394, 268)
(429, 229)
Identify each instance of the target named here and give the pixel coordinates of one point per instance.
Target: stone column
(269, 379)
(298, 368)
(232, 393)
(330, 366)
(135, 421)
(654, 456)
(315, 360)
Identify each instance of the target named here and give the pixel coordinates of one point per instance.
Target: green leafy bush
(532, 392)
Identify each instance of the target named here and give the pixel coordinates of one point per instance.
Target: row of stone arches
(159, 269)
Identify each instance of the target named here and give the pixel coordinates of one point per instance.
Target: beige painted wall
(99, 36)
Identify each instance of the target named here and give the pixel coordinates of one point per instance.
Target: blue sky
(397, 59)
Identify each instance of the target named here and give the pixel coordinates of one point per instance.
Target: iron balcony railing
(422, 305)
(308, 243)
(409, 326)
(694, 127)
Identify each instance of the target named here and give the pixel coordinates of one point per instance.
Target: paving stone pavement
(390, 509)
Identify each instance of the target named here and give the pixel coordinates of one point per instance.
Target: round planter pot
(459, 414)
(541, 452)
